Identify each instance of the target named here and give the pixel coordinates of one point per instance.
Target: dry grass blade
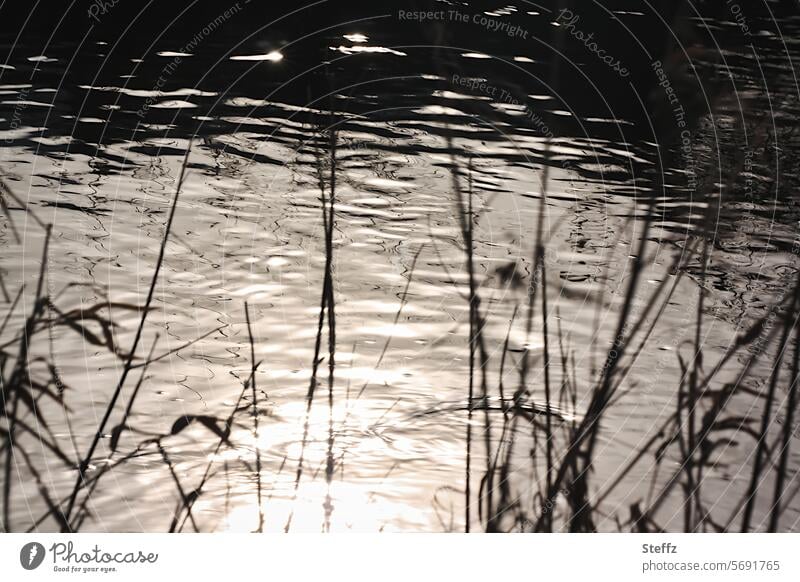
(254, 392)
(137, 338)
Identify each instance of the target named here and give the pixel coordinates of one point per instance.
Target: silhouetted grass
(256, 413)
(327, 188)
(553, 420)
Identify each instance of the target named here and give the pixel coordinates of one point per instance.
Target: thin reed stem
(254, 393)
(137, 338)
(788, 427)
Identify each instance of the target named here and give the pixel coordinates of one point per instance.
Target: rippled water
(94, 142)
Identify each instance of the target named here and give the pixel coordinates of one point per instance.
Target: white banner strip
(399, 557)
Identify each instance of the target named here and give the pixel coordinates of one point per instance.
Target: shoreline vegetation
(539, 413)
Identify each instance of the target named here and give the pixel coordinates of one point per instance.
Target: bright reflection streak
(273, 56)
(356, 37)
(353, 508)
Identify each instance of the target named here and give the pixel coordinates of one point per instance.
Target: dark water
(99, 107)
